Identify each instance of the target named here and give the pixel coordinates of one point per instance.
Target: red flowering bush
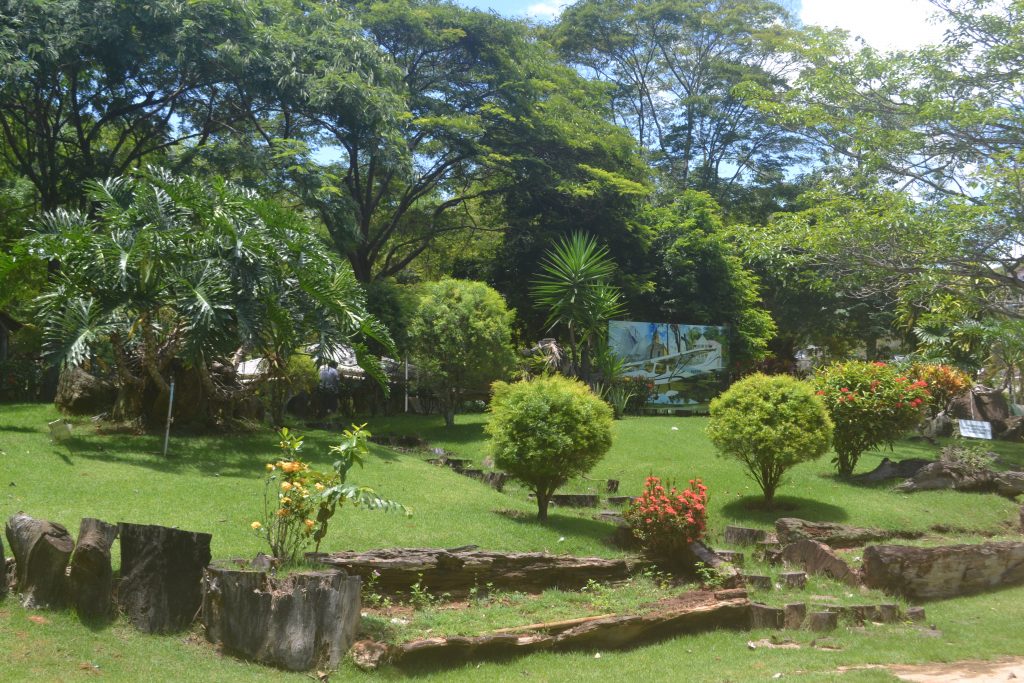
(666, 520)
(871, 404)
(944, 382)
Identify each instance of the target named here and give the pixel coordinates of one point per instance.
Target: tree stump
(889, 614)
(794, 615)
(161, 576)
(298, 622)
(738, 535)
(91, 578)
(731, 556)
(41, 550)
(823, 621)
(863, 614)
(818, 558)
(763, 616)
(758, 581)
(915, 613)
(794, 579)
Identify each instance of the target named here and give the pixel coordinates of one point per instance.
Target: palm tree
(573, 286)
(176, 274)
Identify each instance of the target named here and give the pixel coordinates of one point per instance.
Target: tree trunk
(41, 550)
(543, 498)
(299, 622)
(161, 574)
(91, 578)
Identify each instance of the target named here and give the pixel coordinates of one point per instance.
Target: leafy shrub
(461, 339)
(871, 404)
(546, 431)
(974, 458)
(298, 502)
(666, 520)
(944, 382)
(20, 379)
(770, 424)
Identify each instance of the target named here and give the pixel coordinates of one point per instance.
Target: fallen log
(944, 571)
(161, 576)
(791, 530)
(739, 535)
(891, 469)
(41, 550)
(688, 613)
(91, 576)
(298, 622)
(551, 626)
(946, 474)
(457, 571)
(818, 558)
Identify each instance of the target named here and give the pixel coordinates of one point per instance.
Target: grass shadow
(752, 509)
(567, 526)
(21, 430)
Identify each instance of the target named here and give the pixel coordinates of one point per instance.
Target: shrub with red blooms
(943, 381)
(871, 405)
(666, 520)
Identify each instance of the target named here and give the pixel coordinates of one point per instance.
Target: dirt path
(972, 671)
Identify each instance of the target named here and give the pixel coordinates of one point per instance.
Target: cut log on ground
(161, 576)
(458, 570)
(944, 571)
(41, 550)
(299, 622)
(823, 621)
(794, 579)
(730, 576)
(817, 558)
(791, 530)
(763, 616)
(891, 469)
(689, 613)
(794, 615)
(739, 535)
(955, 475)
(91, 577)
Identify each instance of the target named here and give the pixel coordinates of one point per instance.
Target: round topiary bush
(770, 424)
(546, 431)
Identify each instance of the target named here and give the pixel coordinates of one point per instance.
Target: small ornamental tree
(871, 404)
(546, 431)
(666, 520)
(460, 336)
(943, 382)
(770, 424)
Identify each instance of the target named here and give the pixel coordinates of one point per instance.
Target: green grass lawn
(214, 484)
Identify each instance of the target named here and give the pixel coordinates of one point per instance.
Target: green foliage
(299, 502)
(574, 287)
(871, 405)
(460, 338)
(769, 424)
(943, 382)
(546, 431)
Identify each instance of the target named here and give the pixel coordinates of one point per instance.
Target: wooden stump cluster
(92, 576)
(41, 551)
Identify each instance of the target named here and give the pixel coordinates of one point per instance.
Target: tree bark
(91, 578)
(41, 550)
(297, 623)
(161, 575)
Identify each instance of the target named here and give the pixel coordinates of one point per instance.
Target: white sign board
(976, 429)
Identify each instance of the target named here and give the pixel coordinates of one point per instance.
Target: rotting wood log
(794, 615)
(960, 476)
(552, 626)
(818, 558)
(738, 535)
(298, 622)
(91, 577)
(943, 571)
(457, 571)
(688, 613)
(823, 621)
(41, 550)
(161, 576)
(791, 530)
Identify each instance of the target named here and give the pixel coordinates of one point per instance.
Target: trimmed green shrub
(546, 431)
(460, 337)
(770, 424)
(871, 405)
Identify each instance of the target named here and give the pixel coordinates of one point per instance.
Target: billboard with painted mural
(684, 363)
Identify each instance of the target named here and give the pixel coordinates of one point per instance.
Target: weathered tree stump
(915, 613)
(738, 535)
(611, 486)
(944, 571)
(889, 469)
(758, 581)
(791, 530)
(888, 613)
(628, 500)
(794, 615)
(794, 579)
(763, 616)
(298, 622)
(41, 550)
(818, 558)
(823, 621)
(161, 576)
(456, 571)
(731, 556)
(576, 500)
(91, 577)
(863, 614)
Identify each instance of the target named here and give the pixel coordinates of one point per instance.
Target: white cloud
(546, 10)
(883, 24)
